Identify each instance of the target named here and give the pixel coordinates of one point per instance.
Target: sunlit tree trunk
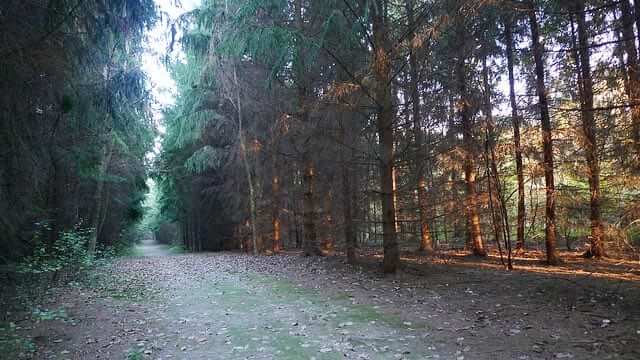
(384, 122)
(275, 215)
(547, 139)
(589, 129)
(471, 204)
(516, 121)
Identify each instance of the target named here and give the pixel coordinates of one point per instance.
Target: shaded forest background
(75, 124)
(335, 125)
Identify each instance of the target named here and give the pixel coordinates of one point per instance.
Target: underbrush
(14, 345)
(32, 280)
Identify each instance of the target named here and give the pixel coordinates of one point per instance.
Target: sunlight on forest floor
(573, 264)
(533, 261)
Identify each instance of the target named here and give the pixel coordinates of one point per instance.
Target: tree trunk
(633, 73)
(493, 180)
(473, 217)
(636, 6)
(310, 242)
(384, 124)
(349, 234)
(328, 242)
(96, 225)
(547, 139)
(583, 64)
(452, 208)
(247, 167)
(347, 187)
(516, 121)
(426, 243)
(276, 245)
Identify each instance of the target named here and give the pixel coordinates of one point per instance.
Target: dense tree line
(408, 124)
(75, 121)
(327, 126)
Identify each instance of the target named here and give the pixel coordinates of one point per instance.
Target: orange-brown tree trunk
(426, 242)
(275, 215)
(471, 204)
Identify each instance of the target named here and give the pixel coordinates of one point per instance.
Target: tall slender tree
(547, 136)
(516, 121)
(589, 128)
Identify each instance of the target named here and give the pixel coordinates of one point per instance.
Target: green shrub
(68, 252)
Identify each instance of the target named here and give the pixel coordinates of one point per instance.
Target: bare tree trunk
(589, 129)
(347, 187)
(383, 95)
(275, 216)
(295, 209)
(310, 242)
(633, 72)
(501, 219)
(493, 178)
(346, 204)
(451, 208)
(328, 242)
(547, 139)
(473, 218)
(516, 121)
(276, 197)
(96, 225)
(636, 6)
(426, 243)
(247, 166)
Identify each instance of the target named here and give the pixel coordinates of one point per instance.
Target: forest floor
(236, 306)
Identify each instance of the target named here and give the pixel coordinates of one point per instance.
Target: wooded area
(361, 179)
(75, 122)
(411, 125)
(326, 126)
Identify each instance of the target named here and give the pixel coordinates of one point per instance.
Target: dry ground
(236, 306)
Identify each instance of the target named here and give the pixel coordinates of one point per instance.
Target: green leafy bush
(68, 252)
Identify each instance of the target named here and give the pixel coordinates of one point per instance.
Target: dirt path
(150, 247)
(232, 306)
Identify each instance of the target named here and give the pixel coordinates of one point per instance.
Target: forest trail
(235, 306)
(150, 247)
